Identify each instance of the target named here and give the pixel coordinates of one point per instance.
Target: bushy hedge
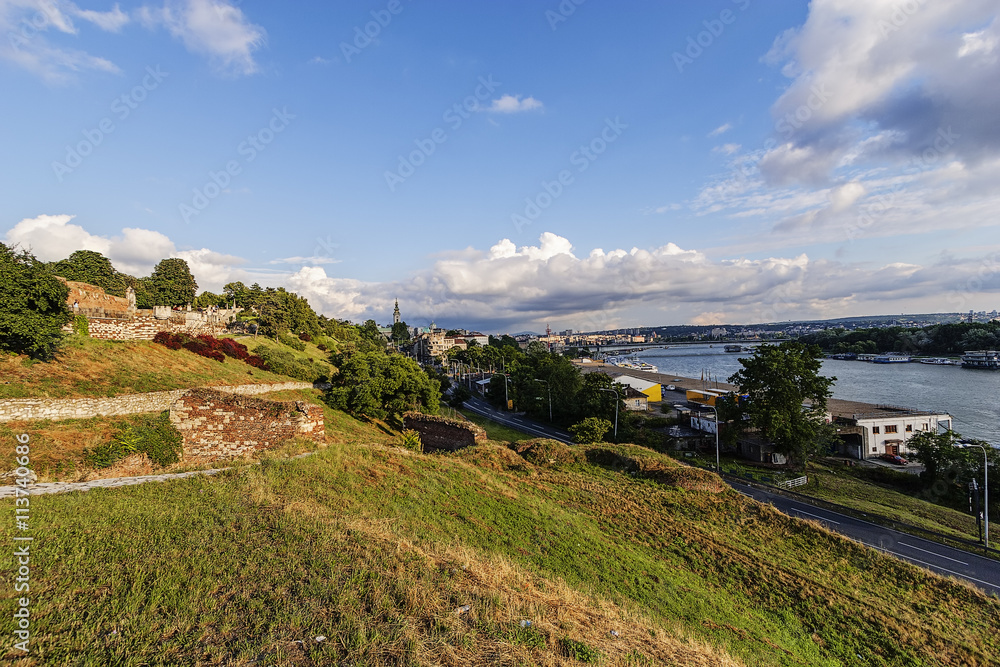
(285, 363)
(209, 346)
(291, 341)
(152, 435)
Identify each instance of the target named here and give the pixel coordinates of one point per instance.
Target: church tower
(396, 319)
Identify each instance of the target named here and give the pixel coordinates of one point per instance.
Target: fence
(792, 483)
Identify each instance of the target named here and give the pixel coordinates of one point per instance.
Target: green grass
(494, 431)
(379, 549)
(88, 367)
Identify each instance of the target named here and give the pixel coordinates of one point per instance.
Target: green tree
(380, 385)
(786, 397)
(171, 283)
(33, 308)
(400, 332)
(208, 299)
(93, 268)
(590, 430)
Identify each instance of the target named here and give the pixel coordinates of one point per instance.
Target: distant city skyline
(510, 166)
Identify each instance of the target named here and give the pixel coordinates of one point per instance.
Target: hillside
(380, 550)
(87, 367)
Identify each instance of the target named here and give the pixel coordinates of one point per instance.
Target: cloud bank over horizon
(508, 288)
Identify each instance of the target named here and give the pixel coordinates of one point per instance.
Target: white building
(869, 431)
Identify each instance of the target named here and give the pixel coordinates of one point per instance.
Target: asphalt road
(514, 420)
(978, 570)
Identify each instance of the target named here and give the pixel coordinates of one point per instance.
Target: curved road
(981, 571)
(944, 560)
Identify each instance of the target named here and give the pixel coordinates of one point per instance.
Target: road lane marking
(815, 516)
(933, 553)
(932, 567)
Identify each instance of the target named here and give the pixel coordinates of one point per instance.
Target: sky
(507, 166)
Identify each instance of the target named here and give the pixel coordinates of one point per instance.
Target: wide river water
(972, 397)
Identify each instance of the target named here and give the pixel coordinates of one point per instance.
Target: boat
(891, 358)
(734, 348)
(988, 359)
(633, 363)
(938, 361)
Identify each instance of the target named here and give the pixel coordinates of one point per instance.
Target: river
(972, 397)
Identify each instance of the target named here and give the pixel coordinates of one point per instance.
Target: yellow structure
(652, 390)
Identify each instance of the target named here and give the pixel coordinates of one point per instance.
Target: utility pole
(617, 400)
(550, 396)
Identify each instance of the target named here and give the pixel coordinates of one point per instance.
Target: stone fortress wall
(218, 425)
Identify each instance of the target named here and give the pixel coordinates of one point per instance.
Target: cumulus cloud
(507, 287)
(135, 251)
(911, 69)
(514, 104)
(216, 28)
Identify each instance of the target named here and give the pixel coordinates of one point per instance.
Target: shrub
(285, 363)
(305, 337)
(209, 346)
(459, 395)
(410, 439)
(152, 435)
(81, 327)
(591, 429)
(291, 341)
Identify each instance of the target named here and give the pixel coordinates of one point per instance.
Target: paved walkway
(42, 488)
(110, 483)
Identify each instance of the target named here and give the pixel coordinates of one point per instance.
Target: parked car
(894, 458)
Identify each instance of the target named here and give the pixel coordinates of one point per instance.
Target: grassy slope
(375, 548)
(89, 367)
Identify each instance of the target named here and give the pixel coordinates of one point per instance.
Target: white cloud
(29, 26)
(508, 287)
(112, 21)
(514, 104)
(727, 149)
(725, 127)
(215, 28)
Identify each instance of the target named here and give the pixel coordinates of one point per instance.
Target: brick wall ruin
(443, 433)
(218, 425)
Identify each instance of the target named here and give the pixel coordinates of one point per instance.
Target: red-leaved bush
(210, 347)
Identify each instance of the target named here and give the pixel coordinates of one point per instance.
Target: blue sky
(509, 165)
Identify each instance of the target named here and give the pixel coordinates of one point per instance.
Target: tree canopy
(381, 385)
(786, 397)
(88, 266)
(170, 284)
(33, 308)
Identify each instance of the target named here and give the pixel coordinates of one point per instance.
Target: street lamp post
(986, 493)
(506, 400)
(718, 466)
(550, 395)
(616, 410)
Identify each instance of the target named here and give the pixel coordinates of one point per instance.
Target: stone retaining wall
(218, 425)
(443, 433)
(33, 409)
